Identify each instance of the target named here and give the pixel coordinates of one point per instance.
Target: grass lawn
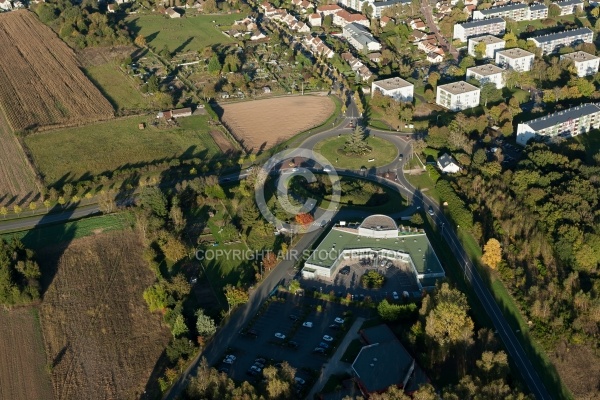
(424, 183)
(117, 87)
(53, 234)
(521, 26)
(78, 153)
(182, 34)
(382, 151)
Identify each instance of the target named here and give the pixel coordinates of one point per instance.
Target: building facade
(397, 88)
(516, 12)
(457, 96)
(585, 63)
(492, 44)
(538, 11)
(568, 7)
(563, 124)
(552, 42)
(488, 73)
(515, 58)
(492, 26)
(360, 38)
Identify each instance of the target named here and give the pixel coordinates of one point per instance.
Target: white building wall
(521, 64)
(457, 102)
(496, 79)
(490, 49)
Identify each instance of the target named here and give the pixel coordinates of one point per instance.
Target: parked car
(327, 338)
(228, 361)
(260, 360)
(395, 295)
(345, 270)
(307, 324)
(259, 365)
(252, 332)
(299, 380)
(319, 350)
(256, 369)
(430, 211)
(338, 320)
(231, 356)
(324, 345)
(280, 335)
(334, 327)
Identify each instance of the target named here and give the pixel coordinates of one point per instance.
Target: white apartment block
(488, 73)
(585, 63)
(552, 42)
(568, 7)
(457, 96)
(376, 6)
(516, 11)
(397, 88)
(563, 124)
(538, 11)
(492, 26)
(515, 58)
(360, 38)
(492, 44)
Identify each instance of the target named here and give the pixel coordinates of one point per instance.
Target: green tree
(214, 66)
(394, 312)
(489, 93)
(153, 199)
(433, 79)
(355, 144)
(235, 296)
(152, 84)
(480, 50)
(294, 286)
(553, 11)
(33, 207)
(205, 325)
(179, 327)
(156, 297)
(47, 204)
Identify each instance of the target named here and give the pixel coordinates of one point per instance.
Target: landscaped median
(381, 152)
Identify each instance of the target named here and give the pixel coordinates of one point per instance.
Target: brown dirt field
(579, 369)
(99, 335)
(18, 183)
(221, 141)
(42, 85)
(261, 124)
(93, 56)
(23, 373)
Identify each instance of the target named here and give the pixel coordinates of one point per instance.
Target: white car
(299, 380)
(339, 320)
(327, 338)
(231, 357)
(307, 324)
(395, 295)
(280, 335)
(255, 369)
(228, 361)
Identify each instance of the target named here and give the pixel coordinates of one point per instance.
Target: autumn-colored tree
(235, 296)
(140, 41)
(17, 209)
(269, 261)
(492, 253)
(304, 219)
(3, 211)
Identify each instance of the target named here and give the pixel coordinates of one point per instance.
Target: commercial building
(568, 7)
(377, 236)
(360, 38)
(457, 96)
(552, 42)
(397, 88)
(585, 63)
(492, 44)
(488, 73)
(562, 124)
(515, 58)
(516, 12)
(492, 26)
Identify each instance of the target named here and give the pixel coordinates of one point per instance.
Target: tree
(214, 66)
(235, 296)
(47, 204)
(492, 253)
(205, 325)
(156, 297)
(153, 199)
(17, 209)
(3, 211)
(179, 327)
(359, 103)
(152, 85)
(294, 286)
(489, 92)
(416, 219)
(510, 39)
(140, 41)
(356, 142)
(210, 6)
(171, 246)
(554, 11)
(304, 219)
(433, 79)
(269, 261)
(394, 312)
(480, 50)
(33, 207)
(106, 202)
(177, 218)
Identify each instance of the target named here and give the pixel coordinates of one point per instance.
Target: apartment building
(568, 7)
(360, 38)
(397, 88)
(585, 63)
(492, 44)
(552, 42)
(457, 96)
(343, 18)
(516, 12)
(515, 58)
(376, 6)
(488, 73)
(492, 26)
(563, 124)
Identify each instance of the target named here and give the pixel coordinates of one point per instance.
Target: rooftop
(381, 365)
(568, 3)
(561, 35)
(515, 52)
(486, 70)
(563, 116)
(482, 22)
(459, 87)
(487, 39)
(390, 84)
(445, 160)
(538, 6)
(508, 7)
(580, 56)
(360, 33)
(416, 245)
(388, 3)
(378, 334)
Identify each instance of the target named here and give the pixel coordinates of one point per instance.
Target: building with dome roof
(378, 236)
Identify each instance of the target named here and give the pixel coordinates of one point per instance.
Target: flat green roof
(381, 365)
(415, 244)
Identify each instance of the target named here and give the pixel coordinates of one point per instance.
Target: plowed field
(263, 123)
(41, 83)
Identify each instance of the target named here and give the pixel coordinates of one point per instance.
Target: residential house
(563, 124)
(328, 9)
(488, 73)
(492, 26)
(434, 57)
(174, 114)
(314, 19)
(172, 13)
(568, 7)
(417, 24)
(6, 5)
(417, 36)
(383, 21)
(446, 163)
(343, 18)
(457, 96)
(374, 57)
(257, 35)
(357, 66)
(317, 47)
(396, 88)
(585, 63)
(515, 11)
(492, 44)
(360, 38)
(515, 58)
(552, 42)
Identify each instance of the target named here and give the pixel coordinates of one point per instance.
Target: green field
(182, 34)
(76, 153)
(382, 151)
(117, 87)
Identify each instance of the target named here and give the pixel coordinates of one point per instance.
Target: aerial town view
(299, 199)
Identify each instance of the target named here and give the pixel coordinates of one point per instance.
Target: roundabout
(381, 152)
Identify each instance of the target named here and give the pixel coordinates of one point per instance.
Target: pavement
(427, 12)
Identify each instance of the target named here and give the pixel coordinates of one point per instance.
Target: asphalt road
(46, 219)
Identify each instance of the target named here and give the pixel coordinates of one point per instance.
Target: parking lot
(286, 316)
(398, 274)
